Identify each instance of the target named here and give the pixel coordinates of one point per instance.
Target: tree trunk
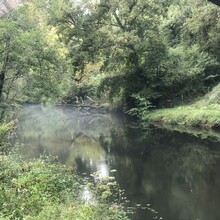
(4, 68)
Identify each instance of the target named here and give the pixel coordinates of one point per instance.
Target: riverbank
(207, 117)
(45, 189)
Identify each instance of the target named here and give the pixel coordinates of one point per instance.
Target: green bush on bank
(27, 187)
(4, 129)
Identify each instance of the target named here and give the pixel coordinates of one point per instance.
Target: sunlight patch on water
(87, 196)
(103, 170)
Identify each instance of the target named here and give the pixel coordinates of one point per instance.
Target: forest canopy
(129, 53)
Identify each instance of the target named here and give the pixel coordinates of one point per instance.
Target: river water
(165, 175)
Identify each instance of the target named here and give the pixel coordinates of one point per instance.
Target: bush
(45, 189)
(4, 129)
(27, 187)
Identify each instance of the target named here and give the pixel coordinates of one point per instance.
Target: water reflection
(177, 174)
(87, 196)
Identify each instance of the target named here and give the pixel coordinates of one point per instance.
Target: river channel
(165, 175)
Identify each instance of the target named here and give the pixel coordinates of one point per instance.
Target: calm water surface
(176, 175)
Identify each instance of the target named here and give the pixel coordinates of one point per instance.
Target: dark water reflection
(177, 174)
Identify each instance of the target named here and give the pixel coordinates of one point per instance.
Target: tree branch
(118, 21)
(132, 6)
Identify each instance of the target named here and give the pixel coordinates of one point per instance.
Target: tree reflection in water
(177, 174)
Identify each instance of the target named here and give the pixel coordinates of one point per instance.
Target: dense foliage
(131, 54)
(165, 52)
(159, 50)
(33, 64)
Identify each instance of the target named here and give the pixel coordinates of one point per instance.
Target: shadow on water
(175, 174)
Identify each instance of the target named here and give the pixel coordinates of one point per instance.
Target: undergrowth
(43, 189)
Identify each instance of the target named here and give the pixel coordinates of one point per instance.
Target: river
(165, 175)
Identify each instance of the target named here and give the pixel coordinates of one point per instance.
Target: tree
(191, 33)
(141, 50)
(145, 42)
(33, 67)
(123, 36)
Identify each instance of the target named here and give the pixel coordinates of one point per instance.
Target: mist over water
(176, 176)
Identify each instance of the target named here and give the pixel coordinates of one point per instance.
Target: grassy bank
(189, 116)
(204, 113)
(45, 189)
